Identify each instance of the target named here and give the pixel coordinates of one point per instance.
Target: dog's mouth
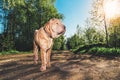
(59, 32)
(62, 32)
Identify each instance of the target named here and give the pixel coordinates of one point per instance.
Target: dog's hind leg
(35, 51)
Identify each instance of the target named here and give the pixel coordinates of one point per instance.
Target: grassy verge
(14, 52)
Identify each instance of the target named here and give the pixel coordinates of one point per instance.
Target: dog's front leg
(43, 60)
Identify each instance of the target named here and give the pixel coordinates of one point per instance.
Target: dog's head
(55, 28)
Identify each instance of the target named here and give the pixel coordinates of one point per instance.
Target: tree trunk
(106, 31)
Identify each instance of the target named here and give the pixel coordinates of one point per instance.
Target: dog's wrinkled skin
(43, 38)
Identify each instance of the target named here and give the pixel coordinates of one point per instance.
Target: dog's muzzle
(63, 30)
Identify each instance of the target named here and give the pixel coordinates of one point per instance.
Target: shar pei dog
(43, 39)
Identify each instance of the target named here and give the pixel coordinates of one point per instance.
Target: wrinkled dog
(43, 38)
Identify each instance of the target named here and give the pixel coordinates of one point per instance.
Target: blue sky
(75, 13)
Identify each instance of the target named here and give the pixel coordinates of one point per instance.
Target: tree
(98, 17)
(6, 42)
(114, 30)
(92, 36)
(76, 40)
(73, 42)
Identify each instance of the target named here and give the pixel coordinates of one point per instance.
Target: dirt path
(65, 66)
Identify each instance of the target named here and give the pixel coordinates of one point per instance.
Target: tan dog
(43, 38)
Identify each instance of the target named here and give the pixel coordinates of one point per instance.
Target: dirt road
(65, 66)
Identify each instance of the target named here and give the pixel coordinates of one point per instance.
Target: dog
(43, 39)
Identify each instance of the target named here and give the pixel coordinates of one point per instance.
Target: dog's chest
(50, 43)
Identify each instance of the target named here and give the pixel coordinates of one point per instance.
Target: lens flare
(112, 8)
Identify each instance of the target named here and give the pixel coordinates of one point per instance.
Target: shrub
(105, 51)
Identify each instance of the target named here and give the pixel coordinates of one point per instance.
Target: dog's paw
(42, 68)
(35, 62)
(48, 65)
(36, 59)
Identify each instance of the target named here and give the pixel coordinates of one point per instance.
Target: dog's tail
(35, 32)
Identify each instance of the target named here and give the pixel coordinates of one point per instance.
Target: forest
(23, 17)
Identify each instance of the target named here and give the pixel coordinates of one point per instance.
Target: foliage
(9, 52)
(59, 43)
(98, 18)
(97, 49)
(92, 36)
(86, 48)
(5, 42)
(75, 40)
(114, 30)
(94, 42)
(88, 36)
(72, 42)
(105, 51)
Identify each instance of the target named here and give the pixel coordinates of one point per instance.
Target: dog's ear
(52, 20)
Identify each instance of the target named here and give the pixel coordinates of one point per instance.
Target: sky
(75, 13)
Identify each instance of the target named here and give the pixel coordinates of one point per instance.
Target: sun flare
(112, 8)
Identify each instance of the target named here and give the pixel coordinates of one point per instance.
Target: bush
(93, 50)
(86, 48)
(105, 51)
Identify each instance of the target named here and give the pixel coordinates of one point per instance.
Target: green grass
(9, 52)
(13, 52)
